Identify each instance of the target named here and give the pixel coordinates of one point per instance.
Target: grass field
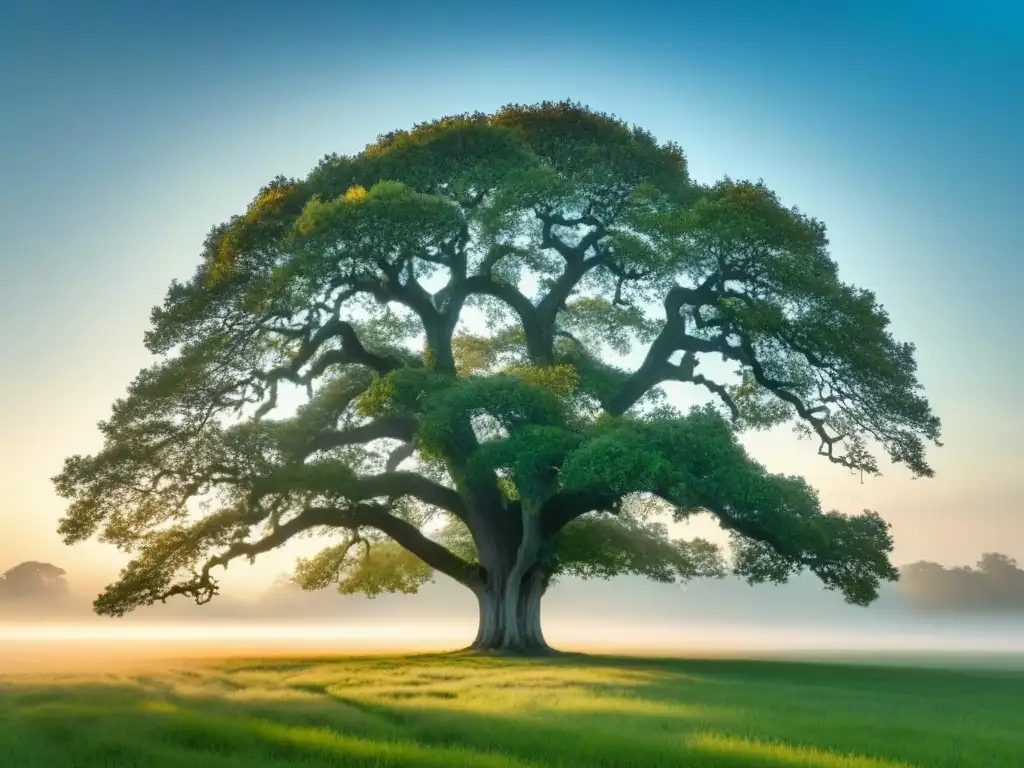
(473, 712)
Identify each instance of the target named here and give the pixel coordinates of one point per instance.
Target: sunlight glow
(925, 635)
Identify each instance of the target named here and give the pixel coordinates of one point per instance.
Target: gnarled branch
(204, 587)
(395, 427)
(399, 483)
(561, 509)
(673, 338)
(352, 351)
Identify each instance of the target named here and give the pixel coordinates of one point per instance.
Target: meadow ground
(434, 711)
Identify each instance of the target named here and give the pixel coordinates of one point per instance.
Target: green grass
(474, 712)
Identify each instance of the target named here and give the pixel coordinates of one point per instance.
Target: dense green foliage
(436, 712)
(448, 303)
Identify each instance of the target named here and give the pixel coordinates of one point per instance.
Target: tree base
(544, 651)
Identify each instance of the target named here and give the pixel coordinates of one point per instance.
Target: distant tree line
(994, 585)
(33, 583)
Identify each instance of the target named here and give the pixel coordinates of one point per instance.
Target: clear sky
(128, 129)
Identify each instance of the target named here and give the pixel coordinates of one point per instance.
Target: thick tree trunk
(532, 591)
(516, 600)
(514, 583)
(512, 627)
(489, 633)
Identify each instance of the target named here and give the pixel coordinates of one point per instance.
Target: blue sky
(128, 129)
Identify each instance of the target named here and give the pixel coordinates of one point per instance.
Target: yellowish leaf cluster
(269, 201)
(355, 194)
(561, 379)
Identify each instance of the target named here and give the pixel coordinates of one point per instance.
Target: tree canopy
(422, 352)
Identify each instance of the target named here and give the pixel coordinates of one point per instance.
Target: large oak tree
(453, 309)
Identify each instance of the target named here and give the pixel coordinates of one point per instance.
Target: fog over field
(706, 617)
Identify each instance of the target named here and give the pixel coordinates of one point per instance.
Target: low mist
(624, 615)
